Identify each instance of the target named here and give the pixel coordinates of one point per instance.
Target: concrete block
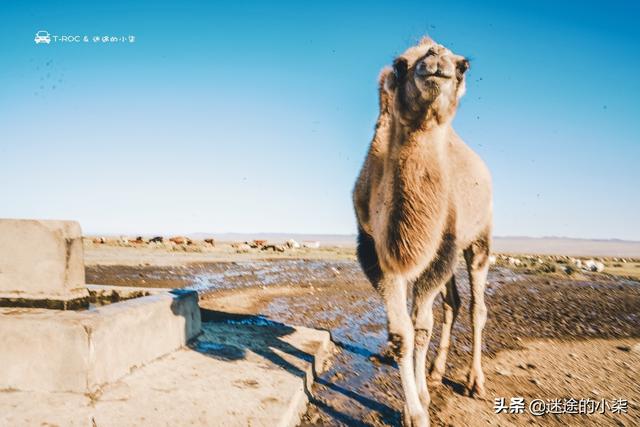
(79, 351)
(134, 332)
(237, 373)
(41, 264)
(42, 352)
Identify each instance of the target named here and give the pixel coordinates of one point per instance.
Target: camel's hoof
(406, 418)
(476, 390)
(420, 419)
(435, 377)
(475, 386)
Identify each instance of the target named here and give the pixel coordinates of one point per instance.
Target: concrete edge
(298, 405)
(126, 290)
(131, 320)
(154, 325)
(51, 303)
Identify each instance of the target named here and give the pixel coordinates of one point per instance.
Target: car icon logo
(42, 37)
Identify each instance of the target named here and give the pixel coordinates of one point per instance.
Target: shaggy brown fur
(421, 196)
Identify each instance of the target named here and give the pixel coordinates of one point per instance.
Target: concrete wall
(78, 351)
(40, 261)
(41, 353)
(134, 332)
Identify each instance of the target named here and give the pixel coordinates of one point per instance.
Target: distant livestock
(180, 240)
(258, 243)
(275, 248)
(514, 261)
(241, 247)
(292, 244)
(591, 265)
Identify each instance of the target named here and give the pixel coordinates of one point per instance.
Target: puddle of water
(244, 274)
(358, 327)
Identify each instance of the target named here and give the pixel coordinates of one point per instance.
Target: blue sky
(256, 116)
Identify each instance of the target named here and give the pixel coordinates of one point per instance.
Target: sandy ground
(145, 255)
(549, 336)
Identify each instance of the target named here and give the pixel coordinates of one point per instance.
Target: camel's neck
(420, 202)
(425, 148)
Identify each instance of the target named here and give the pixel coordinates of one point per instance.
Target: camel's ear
(386, 80)
(386, 86)
(462, 65)
(400, 67)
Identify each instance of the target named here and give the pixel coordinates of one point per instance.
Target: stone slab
(243, 372)
(79, 351)
(41, 264)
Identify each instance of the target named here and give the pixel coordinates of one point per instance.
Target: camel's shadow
(231, 336)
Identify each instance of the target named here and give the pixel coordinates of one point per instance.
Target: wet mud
(362, 385)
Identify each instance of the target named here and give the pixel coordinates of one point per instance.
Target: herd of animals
(139, 240)
(186, 243)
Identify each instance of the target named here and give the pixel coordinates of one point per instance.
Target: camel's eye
(431, 52)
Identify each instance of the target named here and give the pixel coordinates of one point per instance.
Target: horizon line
(351, 235)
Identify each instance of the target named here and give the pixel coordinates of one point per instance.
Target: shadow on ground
(230, 336)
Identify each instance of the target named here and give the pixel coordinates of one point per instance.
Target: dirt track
(547, 337)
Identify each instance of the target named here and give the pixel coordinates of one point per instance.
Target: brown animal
(258, 243)
(421, 196)
(275, 248)
(211, 242)
(180, 240)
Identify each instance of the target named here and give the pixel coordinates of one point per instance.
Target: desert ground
(556, 329)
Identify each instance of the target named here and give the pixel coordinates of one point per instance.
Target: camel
(423, 196)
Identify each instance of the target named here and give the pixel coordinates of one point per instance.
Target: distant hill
(533, 245)
(567, 246)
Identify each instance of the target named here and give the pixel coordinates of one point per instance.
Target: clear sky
(256, 116)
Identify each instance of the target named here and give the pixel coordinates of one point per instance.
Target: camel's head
(427, 81)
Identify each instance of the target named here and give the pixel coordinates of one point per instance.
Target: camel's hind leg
(423, 324)
(432, 281)
(451, 306)
(477, 257)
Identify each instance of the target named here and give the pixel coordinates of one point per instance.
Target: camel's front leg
(401, 336)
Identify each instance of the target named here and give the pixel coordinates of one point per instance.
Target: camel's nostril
(421, 69)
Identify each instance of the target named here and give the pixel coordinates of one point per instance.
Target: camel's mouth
(438, 75)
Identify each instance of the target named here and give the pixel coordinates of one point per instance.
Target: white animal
(292, 244)
(514, 261)
(591, 265)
